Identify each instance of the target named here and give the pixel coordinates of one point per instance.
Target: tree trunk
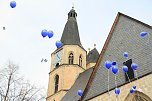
(8, 86)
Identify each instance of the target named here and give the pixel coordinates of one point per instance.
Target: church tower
(67, 61)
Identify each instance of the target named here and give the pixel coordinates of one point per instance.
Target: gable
(124, 36)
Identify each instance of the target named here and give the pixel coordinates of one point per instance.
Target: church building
(73, 69)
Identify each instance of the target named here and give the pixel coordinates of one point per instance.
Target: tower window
(71, 58)
(56, 83)
(57, 65)
(130, 72)
(80, 60)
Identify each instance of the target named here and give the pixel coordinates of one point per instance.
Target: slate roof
(123, 36)
(70, 34)
(80, 83)
(92, 56)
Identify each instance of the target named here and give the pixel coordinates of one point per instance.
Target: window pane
(56, 83)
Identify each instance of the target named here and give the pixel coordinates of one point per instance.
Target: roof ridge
(100, 56)
(135, 19)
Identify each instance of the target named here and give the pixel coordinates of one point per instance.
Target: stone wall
(144, 85)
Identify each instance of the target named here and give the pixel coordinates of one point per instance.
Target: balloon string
(116, 97)
(126, 58)
(116, 87)
(108, 86)
(119, 79)
(128, 78)
(137, 79)
(136, 74)
(115, 81)
(147, 44)
(108, 80)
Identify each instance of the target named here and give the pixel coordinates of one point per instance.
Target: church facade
(72, 68)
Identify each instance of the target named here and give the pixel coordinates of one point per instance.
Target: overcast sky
(22, 42)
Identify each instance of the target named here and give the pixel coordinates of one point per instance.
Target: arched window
(71, 58)
(80, 60)
(56, 83)
(71, 14)
(57, 65)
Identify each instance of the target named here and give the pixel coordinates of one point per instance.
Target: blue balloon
(134, 87)
(134, 66)
(125, 54)
(13, 4)
(44, 33)
(125, 68)
(108, 64)
(117, 91)
(142, 34)
(132, 90)
(80, 92)
(114, 69)
(58, 44)
(114, 62)
(50, 34)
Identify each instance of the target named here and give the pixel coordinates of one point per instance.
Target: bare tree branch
(33, 94)
(8, 87)
(14, 88)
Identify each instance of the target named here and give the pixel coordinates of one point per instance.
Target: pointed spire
(71, 33)
(92, 56)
